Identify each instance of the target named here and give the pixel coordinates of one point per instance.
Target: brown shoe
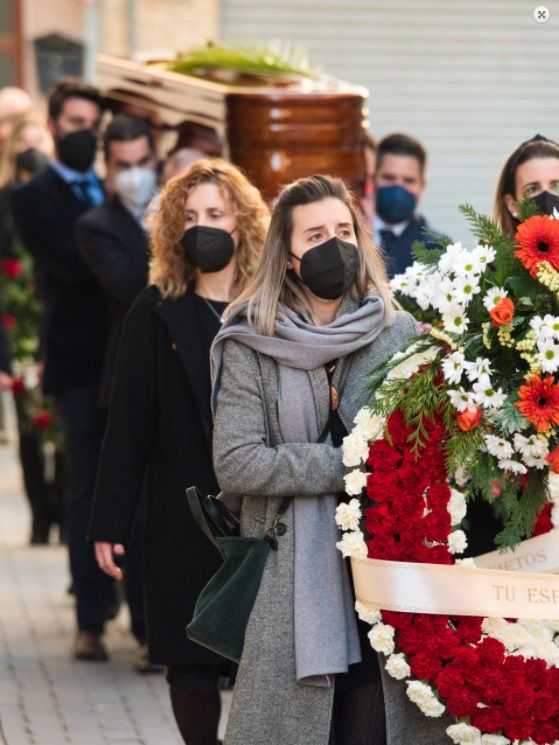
(142, 662)
(89, 645)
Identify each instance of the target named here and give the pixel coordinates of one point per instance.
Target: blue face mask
(394, 204)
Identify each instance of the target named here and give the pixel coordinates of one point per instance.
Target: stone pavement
(46, 698)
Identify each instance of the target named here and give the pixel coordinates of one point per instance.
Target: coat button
(281, 529)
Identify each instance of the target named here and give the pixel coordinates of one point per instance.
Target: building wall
(471, 79)
(163, 27)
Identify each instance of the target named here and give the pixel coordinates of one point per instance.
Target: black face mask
(329, 270)
(32, 161)
(210, 249)
(77, 150)
(546, 202)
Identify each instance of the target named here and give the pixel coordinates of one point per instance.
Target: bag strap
(195, 500)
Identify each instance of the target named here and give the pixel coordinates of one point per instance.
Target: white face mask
(136, 185)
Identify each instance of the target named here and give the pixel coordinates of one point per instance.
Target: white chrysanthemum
(381, 637)
(469, 562)
(512, 466)
(355, 482)
(462, 399)
(546, 327)
(548, 355)
(355, 449)
(411, 365)
(485, 255)
(494, 297)
(422, 696)
(443, 298)
(456, 506)
(367, 613)
(451, 258)
(540, 649)
(481, 366)
(486, 395)
(456, 320)
(498, 447)
(553, 486)
(457, 542)
(532, 446)
(494, 740)
(465, 287)
(397, 667)
(352, 544)
(537, 629)
(453, 366)
(468, 265)
(464, 734)
(348, 514)
(369, 425)
(511, 635)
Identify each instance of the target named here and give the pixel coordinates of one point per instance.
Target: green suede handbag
(224, 606)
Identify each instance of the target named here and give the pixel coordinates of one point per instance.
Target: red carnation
(18, 386)
(547, 732)
(489, 719)
(9, 321)
(543, 523)
(397, 428)
(462, 702)
(11, 268)
(518, 701)
(519, 729)
(545, 706)
(43, 420)
(383, 457)
(491, 652)
(424, 666)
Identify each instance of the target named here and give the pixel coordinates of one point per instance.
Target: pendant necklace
(213, 310)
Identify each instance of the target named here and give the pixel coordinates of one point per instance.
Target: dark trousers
(83, 424)
(358, 715)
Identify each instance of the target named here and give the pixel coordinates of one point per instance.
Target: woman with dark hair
(206, 239)
(531, 170)
(289, 364)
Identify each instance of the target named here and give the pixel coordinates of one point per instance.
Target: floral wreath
(468, 411)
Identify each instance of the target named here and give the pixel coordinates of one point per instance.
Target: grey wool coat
(252, 463)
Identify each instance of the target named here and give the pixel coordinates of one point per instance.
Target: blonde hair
(8, 171)
(273, 284)
(170, 268)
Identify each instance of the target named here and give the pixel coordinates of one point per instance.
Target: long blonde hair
(273, 284)
(170, 268)
(9, 153)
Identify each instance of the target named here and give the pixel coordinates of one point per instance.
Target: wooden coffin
(275, 134)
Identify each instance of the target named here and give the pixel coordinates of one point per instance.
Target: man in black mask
(75, 327)
(399, 183)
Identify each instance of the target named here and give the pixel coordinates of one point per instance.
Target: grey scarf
(326, 639)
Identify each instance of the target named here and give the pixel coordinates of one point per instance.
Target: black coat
(159, 440)
(397, 249)
(115, 248)
(4, 352)
(75, 325)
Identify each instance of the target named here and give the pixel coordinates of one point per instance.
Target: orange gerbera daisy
(538, 401)
(538, 240)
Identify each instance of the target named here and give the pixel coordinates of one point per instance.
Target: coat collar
(178, 315)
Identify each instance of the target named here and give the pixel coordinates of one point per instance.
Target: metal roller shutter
(470, 79)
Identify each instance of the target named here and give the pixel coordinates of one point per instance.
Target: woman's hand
(104, 554)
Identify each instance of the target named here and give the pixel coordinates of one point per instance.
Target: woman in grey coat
(290, 360)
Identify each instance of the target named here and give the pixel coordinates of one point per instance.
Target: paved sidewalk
(46, 698)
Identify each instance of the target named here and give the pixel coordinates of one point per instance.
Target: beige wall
(164, 27)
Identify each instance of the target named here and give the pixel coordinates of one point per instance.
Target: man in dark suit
(399, 185)
(113, 243)
(75, 327)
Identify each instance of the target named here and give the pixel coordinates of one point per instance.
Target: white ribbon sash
(539, 554)
(455, 590)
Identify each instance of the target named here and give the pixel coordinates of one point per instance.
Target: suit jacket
(158, 442)
(4, 352)
(115, 248)
(75, 324)
(398, 255)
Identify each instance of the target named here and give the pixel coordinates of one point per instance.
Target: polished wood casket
(274, 133)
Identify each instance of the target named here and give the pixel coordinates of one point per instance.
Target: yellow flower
(443, 336)
(504, 335)
(486, 341)
(548, 276)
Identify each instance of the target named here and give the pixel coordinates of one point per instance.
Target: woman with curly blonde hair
(206, 238)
